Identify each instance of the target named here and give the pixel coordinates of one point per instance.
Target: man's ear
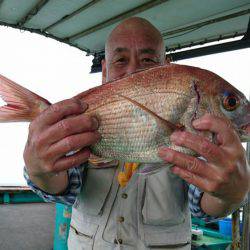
(104, 71)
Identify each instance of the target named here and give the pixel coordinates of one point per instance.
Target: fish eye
(231, 102)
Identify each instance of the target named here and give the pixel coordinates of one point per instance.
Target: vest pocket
(96, 189)
(165, 218)
(82, 238)
(164, 199)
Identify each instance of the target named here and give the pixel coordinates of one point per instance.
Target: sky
(57, 71)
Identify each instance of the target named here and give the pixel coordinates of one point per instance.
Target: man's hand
(225, 177)
(60, 129)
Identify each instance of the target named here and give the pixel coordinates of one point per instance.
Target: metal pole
(245, 243)
(236, 230)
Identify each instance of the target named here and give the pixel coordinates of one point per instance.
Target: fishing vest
(150, 212)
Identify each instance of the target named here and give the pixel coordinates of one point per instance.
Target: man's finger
(226, 134)
(191, 178)
(190, 163)
(58, 111)
(72, 143)
(199, 144)
(74, 160)
(69, 126)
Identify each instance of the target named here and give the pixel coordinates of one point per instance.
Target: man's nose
(133, 66)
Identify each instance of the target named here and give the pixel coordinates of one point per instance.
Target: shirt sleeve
(194, 198)
(69, 196)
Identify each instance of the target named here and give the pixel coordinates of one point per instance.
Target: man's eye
(148, 60)
(121, 60)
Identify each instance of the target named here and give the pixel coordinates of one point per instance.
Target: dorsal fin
(159, 119)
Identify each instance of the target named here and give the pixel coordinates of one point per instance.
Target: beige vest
(150, 212)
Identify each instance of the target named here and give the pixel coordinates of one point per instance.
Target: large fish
(138, 113)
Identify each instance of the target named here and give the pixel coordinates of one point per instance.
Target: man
(150, 211)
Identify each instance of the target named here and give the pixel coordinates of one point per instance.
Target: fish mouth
(244, 133)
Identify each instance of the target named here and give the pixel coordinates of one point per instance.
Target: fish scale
(136, 123)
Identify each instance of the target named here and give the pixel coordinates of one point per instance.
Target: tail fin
(21, 104)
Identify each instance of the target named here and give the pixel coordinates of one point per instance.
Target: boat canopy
(85, 24)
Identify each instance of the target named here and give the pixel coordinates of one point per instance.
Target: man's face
(131, 51)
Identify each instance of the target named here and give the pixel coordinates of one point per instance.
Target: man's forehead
(146, 50)
(140, 43)
(130, 37)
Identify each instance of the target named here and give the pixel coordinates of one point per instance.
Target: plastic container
(225, 226)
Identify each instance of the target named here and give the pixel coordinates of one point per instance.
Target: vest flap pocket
(163, 199)
(96, 189)
(174, 236)
(88, 231)
(82, 237)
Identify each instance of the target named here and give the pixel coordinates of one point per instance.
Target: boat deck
(27, 226)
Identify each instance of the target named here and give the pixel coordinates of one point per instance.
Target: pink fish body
(138, 113)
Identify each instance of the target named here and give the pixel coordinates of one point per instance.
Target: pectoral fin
(160, 120)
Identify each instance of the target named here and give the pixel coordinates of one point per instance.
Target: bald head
(134, 44)
(135, 26)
